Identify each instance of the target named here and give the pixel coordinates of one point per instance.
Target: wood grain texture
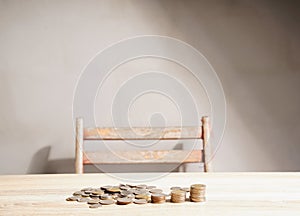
(142, 133)
(139, 157)
(206, 144)
(79, 146)
(268, 194)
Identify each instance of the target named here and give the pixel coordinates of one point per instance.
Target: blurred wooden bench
(142, 156)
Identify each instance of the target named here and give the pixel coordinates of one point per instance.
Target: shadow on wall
(40, 164)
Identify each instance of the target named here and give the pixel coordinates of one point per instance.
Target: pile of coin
(158, 198)
(197, 193)
(178, 196)
(125, 194)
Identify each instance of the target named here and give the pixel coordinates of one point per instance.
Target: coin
(140, 201)
(156, 191)
(106, 187)
(107, 202)
(83, 199)
(95, 205)
(124, 201)
(77, 193)
(85, 195)
(198, 186)
(141, 196)
(98, 192)
(201, 199)
(125, 193)
(140, 191)
(141, 186)
(86, 189)
(131, 196)
(94, 196)
(93, 201)
(73, 198)
(186, 189)
(175, 188)
(125, 187)
(113, 190)
(105, 197)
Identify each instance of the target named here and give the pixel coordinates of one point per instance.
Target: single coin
(134, 191)
(141, 196)
(94, 196)
(175, 188)
(105, 197)
(130, 196)
(73, 198)
(107, 202)
(106, 187)
(77, 193)
(95, 205)
(83, 199)
(86, 189)
(124, 201)
(156, 191)
(124, 187)
(140, 201)
(93, 201)
(186, 189)
(125, 193)
(141, 191)
(198, 186)
(197, 194)
(98, 192)
(85, 194)
(141, 186)
(113, 189)
(199, 199)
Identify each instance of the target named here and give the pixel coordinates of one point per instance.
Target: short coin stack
(178, 196)
(197, 193)
(158, 198)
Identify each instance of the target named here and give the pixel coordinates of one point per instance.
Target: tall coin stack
(197, 193)
(178, 196)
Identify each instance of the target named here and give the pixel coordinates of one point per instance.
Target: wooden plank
(142, 157)
(143, 133)
(79, 146)
(206, 144)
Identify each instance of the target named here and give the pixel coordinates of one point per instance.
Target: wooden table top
(227, 194)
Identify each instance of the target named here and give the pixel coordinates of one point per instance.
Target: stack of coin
(158, 198)
(124, 194)
(178, 196)
(197, 193)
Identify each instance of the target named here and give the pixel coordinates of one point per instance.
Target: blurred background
(253, 46)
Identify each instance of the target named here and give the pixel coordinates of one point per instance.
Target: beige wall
(253, 46)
